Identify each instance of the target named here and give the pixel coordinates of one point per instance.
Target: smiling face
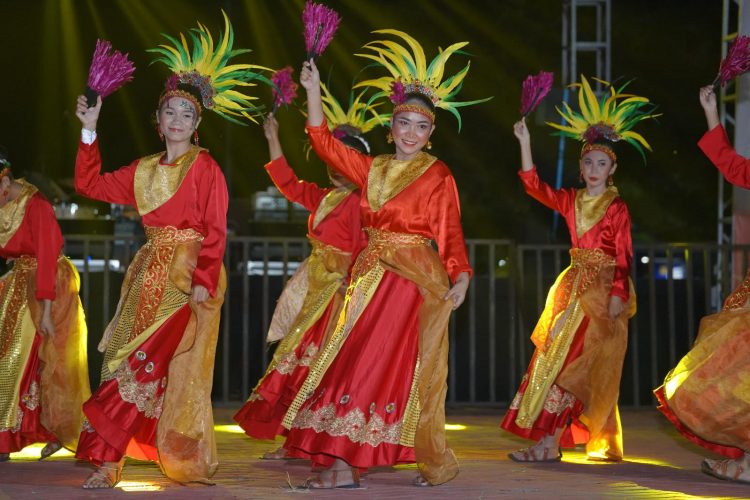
(410, 131)
(177, 119)
(596, 167)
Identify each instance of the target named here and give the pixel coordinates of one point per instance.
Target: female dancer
(154, 401)
(569, 392)
(375, 395)
(705, 396)
(42, 327)
(309, 306)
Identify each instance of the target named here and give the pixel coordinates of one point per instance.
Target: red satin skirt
(359, 404)
(30, 430)
(561, 408)
(116, 427)
(261, 418)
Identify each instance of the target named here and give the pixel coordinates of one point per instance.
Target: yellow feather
(438, 68)
(398, 54)
(419, 58)
(638, 137)
(401, 68)
(383, 83)
(591, 100)
(583, 105)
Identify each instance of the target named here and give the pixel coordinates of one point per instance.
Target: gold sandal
(102, 474)
(50, 449)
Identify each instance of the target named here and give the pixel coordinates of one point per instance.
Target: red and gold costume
(376, 393)
(707, 396)
(154, 401)
(309, 305)
(575, 371)
(45, 379)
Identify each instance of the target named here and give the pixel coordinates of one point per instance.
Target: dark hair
(4, 158)
(421, 99)
(356, 142)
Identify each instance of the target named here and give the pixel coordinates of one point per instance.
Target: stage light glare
(455, 427)
(232, 429)
(32, 452)
(135, 486)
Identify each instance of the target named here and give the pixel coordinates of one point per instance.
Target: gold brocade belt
(377, 241)
(170, 235)
(24, 263)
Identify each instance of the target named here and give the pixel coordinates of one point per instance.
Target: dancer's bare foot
(543, 451)
(277, 454)
(728, 469)
(105, 476)
(330, 479)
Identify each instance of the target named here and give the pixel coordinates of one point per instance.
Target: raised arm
(351, 163)
(114, 187)
(716, 146)
(307, 194)
(533, 185)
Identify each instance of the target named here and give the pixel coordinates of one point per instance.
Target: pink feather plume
(110, 69)
(284, 87)
(736, 62)
(534, 89)
(320, 23)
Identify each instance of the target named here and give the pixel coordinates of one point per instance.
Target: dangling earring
(161, 134)
(429, 144)
(610, 181)
(195, 137)
(389, 138)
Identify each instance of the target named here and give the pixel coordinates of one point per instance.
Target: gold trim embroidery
(328, 204)
(17, 426)
(154, 183)
(354, 425)
(738, 297)
(290, 362)
(13, 212)
(141, 394)
(388, 176)
(31, 398)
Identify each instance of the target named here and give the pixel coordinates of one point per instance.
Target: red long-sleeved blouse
(734, 167)
(428, 207)
(341, 228)
(38, 236)
(200, 203)
(611, 233)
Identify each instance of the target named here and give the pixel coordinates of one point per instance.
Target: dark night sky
(671, 47)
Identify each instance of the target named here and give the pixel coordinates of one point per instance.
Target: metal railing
(676, 285)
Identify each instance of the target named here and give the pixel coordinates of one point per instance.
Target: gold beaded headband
(414, 108)
(599, 147)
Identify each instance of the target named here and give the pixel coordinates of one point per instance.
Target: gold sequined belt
(170, 235)
(378, 237)
(590, 258)
(27, 262)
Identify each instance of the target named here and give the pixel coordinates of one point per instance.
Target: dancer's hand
(88, 116)
(271, 131)
(457, 293)
(707, 98)
(47, 326)
(616, 307)
(309, 76)
(199, 294)
(522, 132)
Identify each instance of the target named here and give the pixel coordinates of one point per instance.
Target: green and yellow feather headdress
(360, 117)
(410, 73)
(207, 74)
(606, 120)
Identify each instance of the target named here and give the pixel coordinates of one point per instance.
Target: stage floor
(658, 464)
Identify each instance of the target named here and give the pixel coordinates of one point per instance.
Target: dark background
(671, 47)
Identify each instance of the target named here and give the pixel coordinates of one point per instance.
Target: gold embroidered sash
(556, 329)
(329, 203)
(590, 209)
(156, 285)
(13, 212)
(17, 332)
(154, 183)
(388, 176)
